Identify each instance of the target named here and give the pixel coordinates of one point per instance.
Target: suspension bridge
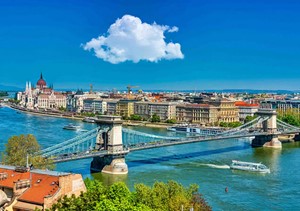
(109, 143)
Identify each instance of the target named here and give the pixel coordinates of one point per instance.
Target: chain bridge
(109, 143)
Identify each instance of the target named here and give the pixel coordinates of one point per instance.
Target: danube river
(203, 163)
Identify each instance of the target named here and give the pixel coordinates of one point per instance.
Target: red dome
(41, 82)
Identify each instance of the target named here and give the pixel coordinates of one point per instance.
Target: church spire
(26, 89)
(41, 76)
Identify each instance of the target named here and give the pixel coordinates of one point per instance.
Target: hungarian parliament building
(41, 97)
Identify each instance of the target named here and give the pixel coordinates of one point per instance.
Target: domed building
(41, 84)
(41, 97)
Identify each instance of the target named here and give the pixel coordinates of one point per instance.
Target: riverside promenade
(74, 116)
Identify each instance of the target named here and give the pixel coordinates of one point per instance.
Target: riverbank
(146, 124)
(68, 116)
(39, 113)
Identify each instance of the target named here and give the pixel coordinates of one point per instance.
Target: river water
(203, 163)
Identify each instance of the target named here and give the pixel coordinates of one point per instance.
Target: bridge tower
(269, 126)
(114, 162)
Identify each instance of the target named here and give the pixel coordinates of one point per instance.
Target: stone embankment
(60, 114)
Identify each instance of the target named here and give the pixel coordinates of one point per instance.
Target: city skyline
(193, 45)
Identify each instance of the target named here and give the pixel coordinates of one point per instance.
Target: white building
(41, 97)
(246, 109)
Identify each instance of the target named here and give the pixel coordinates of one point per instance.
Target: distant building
(165, 110)
(95, 106)
(246, 109)
(111, 107)
(41, 97)
(228, 112)
(282, 106)
(37, 189)
(125, 108)
(204, 114)
(75, 102)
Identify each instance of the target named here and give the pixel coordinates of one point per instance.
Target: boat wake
(215, 166)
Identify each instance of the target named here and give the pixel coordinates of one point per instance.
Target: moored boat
(249, 166)
(194, 129)
(89, 119)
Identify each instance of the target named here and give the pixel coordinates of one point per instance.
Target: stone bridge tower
(111, 140)
(269, 126)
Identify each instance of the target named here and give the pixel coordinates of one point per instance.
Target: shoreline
(43, 114)
(125, 123)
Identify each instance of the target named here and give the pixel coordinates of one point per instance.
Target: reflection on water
(202, 163)
(109, 179)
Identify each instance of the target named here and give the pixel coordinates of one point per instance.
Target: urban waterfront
(203, 163)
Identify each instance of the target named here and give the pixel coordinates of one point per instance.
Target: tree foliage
(230, 124)
(290, 116)
(171, 121)
(249, 118)
(170, 196)
(135, 117)
(155, 118)
(17, 149)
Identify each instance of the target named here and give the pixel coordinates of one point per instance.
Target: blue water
(203, 163)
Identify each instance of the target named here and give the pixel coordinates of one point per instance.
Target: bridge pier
(266, 141)
(269, 126)
(114, 162)
(297, 137)
(109, 165)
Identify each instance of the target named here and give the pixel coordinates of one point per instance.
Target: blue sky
(226, 44)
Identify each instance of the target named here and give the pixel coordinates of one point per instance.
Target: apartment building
(125, 108)
(204, 114)
(228, 112)
(95, 106)
(246, 109)
(111, 107)
(282, 106)
(165, 110)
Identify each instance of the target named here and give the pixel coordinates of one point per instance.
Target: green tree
(135, 117)
(249, 118)
(223, 124)
(171, 121)
(155, 118)
(62, 109)
(169, 196)
(230, 124)
(17, 149)
(234, 124)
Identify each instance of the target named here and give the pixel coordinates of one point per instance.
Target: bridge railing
(286, 125)
(72, 140)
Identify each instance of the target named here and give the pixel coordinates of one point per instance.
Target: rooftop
(42, 183)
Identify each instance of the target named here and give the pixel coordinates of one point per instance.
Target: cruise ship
(187, 128)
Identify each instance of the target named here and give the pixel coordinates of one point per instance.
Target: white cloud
(128, 39)
(173, 29)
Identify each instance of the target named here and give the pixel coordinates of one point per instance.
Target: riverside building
(246, 109)
(95, 106)
(75, 102)
(41, 97)
(228, 112)
(283, 106)
(125, 108)
(203, 114)
(165, 110)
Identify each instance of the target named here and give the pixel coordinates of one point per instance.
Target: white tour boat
(90, 119)
(248, 166)
(71, 127)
